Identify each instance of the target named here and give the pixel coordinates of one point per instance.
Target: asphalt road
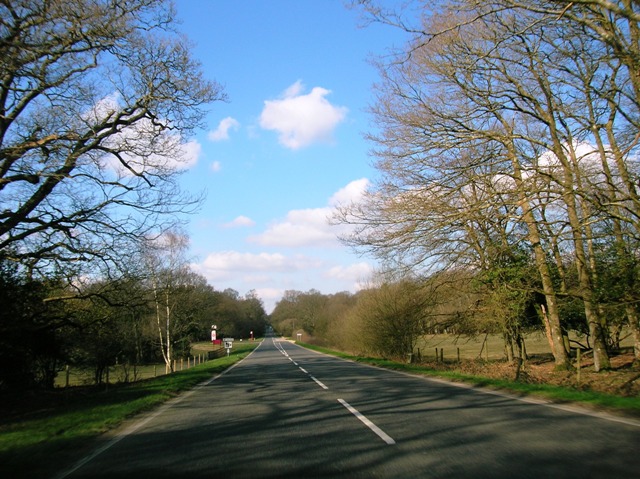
(285, 411)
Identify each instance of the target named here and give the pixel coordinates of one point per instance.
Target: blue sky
(287, 146)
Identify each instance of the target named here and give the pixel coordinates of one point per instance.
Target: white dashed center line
(383, 435)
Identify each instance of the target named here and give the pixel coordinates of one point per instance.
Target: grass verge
(41, 435)
(628, 406)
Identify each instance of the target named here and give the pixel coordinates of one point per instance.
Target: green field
(43, 433)
(122, 373)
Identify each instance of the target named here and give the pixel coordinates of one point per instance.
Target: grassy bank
(618, 404)
(43, 433)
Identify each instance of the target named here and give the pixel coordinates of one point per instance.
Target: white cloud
(144, 145)
(240, 221)
(299, 119)
(270, 274)
(294, 90)
(351, 193)
(308, 227)
(357, 274)
(225, 265)
(587, 154)
(236, 261)
(190, 153)
(233, 264)
(172, 155)
(103, 109)
(311, 227)
(222, 132)
(269, 296)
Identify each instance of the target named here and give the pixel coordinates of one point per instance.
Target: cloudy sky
(286, 148)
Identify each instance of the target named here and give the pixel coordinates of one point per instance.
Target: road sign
(228, 344)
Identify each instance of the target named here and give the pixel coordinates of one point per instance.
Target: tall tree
(97, 100)
(169, 274)
(513, 89)
(611, 85)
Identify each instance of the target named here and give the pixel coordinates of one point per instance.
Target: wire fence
(126, 373)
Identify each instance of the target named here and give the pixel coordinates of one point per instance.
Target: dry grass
(474, 347)
(623, 379)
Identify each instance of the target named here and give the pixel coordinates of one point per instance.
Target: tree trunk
(596, 330)
(169, 352)
(551, 314)
(159, 324)
(508, 346)
(634, 324)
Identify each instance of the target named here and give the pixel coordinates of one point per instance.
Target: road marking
(119, 436)
(576, 409)
(386, 438)
(319, 382)
(279, 347)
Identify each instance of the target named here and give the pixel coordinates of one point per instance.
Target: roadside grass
(41, 435)
(558, 394)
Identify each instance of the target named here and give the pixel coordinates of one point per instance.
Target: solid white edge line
(575, 408)
(303, 370)
(383, 435)
(134, 427)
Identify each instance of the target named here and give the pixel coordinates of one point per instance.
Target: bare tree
(392, 317)
(610, 87)
(97, 99)
(168, 271)
(490, 91)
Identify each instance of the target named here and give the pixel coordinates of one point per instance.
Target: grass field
(476, 347)
(44, 433)
(123, 373)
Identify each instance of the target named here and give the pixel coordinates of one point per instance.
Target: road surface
(285, 411)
